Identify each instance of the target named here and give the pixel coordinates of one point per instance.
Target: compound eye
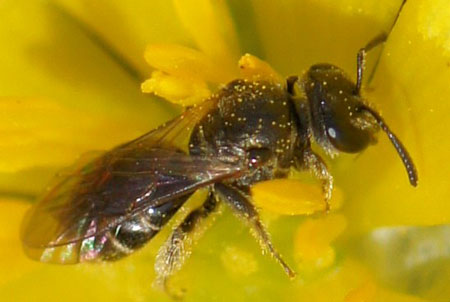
(258, 156)
(347, 129)
(334, 110)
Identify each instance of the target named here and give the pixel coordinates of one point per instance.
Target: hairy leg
(244, 209)
(306, 158)
(177, 249)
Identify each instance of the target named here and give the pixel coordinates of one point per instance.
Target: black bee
(249, 131)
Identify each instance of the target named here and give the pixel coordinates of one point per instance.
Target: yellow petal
(40, 135)
(185, 62)
(363, 293)
(13, 264)
(128, 26)
(297, 34)
(292, 197)
(412, 89)
(182, 91)
(44, 54)
(334, 286)
(60, 96)
(211, 27)
(41, 132)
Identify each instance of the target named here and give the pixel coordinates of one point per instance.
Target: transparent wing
(115, 187)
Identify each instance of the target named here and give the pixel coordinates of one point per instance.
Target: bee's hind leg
(243, 208)
(177, 249)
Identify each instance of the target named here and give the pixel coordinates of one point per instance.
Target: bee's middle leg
(177, 249)
(243, 208)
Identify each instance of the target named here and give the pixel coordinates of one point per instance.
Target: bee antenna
(401, 150)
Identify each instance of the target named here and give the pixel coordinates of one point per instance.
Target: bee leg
(306, 158)
(243, 208)
(361, 58)
(177, 249)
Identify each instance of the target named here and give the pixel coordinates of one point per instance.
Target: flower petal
(45, 54)
(298, 34)
(40, 135)
(129, 26)
(55, 103)
(412, 88)
(11, 254)
(210, 25)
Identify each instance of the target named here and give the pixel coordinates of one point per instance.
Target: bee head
(337, 121)
(339, 118)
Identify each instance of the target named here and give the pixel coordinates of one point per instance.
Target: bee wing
(145, 173)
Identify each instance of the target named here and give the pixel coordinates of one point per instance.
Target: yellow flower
(70, 81)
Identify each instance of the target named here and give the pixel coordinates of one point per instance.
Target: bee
(247, 132)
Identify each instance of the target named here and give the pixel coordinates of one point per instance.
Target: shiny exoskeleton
(249, 131)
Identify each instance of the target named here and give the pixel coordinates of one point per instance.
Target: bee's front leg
(244, 209)
(177, 249)
(306, 158)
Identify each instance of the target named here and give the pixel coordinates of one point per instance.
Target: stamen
(313, 243)
(293, 197)
(176, 90)
(184, 62)
(254, 69)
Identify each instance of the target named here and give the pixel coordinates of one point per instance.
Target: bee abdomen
(130, 235)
